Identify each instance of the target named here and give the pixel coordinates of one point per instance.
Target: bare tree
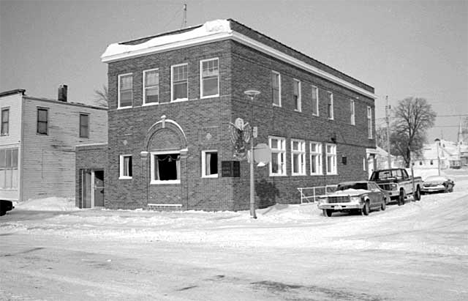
(102, 96)
(381, 136)
(412, 118)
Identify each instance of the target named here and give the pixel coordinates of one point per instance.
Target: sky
(401, 48)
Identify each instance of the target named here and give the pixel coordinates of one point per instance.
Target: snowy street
(418, 251)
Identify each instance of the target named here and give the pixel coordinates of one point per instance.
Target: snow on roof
(207, 29)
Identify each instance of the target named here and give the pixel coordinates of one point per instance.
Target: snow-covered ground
(50, 250)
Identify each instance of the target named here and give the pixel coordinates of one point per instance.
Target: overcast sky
(401, 48)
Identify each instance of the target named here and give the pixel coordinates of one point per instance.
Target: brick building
(173, 97)
(37, 143)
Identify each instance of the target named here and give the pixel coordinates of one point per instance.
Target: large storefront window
(9, 168)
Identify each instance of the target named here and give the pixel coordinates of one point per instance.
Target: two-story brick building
(37, 143)
(173, 97)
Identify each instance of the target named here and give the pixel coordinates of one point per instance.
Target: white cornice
(240, 38)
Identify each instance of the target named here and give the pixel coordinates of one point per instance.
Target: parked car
(359, 196)
(398, 184)
(437, 184)
(5, 206)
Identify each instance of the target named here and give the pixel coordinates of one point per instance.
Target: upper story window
(315, 101)
(179, 82)
(315, 158)
(298, 157)
(5, 121)
(209, 164)
(126, 167)
(331, 159)
(352, 112)
(297, 95)
(84, 126)
(370, 128)
(125, 90)
(278, 156)
(330, 105)
(209, 78)
(276, 88)
(151, 86)
(42, 121)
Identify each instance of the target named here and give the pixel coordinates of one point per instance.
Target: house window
(150, 86)
(42, 121)
(330, 105)
(315, 158)
(331, 159)
(209, 164)
(315, 101)
(370, 129)
(126, 167)
(209, 78)
(9, 168)
(298, 157)
(5, 122)
(278, 156)
(125, 90)
(297, 95)
(179, 82)
(276, 88)
(84, 126)
(352, 112)
(165, 168)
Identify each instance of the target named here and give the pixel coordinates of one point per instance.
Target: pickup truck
(398, 184)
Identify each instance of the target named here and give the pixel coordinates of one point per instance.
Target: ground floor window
(9, 168)
(278, 156)
(298, 157)
(209, 164)
(315, 158)
(165, 168)
(331, 159)
(125, 167)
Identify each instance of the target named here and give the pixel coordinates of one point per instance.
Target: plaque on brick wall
(230, 169)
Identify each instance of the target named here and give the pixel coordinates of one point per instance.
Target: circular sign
(262, 153)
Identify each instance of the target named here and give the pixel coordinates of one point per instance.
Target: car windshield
(352, 186)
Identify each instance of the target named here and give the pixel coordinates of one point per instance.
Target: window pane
(126, 82)
(167, 167)
(180, 91)
(14, 158)
(126, 98)
(152, 95)
(151, 78)
(42, 128)
(210, 86)
(2, 158)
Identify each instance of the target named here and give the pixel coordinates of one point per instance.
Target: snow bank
(49, 204)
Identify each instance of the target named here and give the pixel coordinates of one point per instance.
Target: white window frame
(204, 170)
(333, 157)
(121, 167)
(281, 156)
(330, 104)
(202, 81)
(315, 90)
(298, 108)
(352, 109)
(159, 182)
(300, 153)
(172, 82)
(5, 124)
(316, 157)
(119, 91)
(370, 128)
(279, 89)
(149, 87)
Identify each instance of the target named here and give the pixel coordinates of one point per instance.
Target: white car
(437, 184)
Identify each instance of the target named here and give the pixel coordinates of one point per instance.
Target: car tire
(384, 205)
(401, 198)
(365, 210)
(327, 212)
(417, 194)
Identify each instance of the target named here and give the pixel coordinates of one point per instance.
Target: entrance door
(98, 188)
(86, 198)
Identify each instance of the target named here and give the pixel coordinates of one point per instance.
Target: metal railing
(310, 194)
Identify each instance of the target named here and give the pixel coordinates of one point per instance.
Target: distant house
(173, 99)
(37, 143)
(447, 154)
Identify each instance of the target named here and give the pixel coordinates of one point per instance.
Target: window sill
(210, 177)
(150, 104)
(298, 174)
(277, 175)
(171, 182)
(179, 100)
(125, 178)
(209, 96)
(124, 108)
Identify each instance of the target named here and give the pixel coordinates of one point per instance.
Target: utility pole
(387, 119)
(185, 15)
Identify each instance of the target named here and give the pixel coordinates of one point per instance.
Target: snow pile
(208, 29)
(48, 204)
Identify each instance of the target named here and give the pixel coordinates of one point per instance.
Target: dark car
(5, 206)
(359, 196)
(437, 184)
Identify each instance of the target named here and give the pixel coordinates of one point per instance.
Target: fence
(310, 194)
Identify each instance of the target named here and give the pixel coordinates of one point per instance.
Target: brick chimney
(62, 93)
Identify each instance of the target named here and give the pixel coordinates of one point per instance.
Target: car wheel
(327, 212)
(365, 210)
(401, 198)
(384, 205)
(417, 194)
